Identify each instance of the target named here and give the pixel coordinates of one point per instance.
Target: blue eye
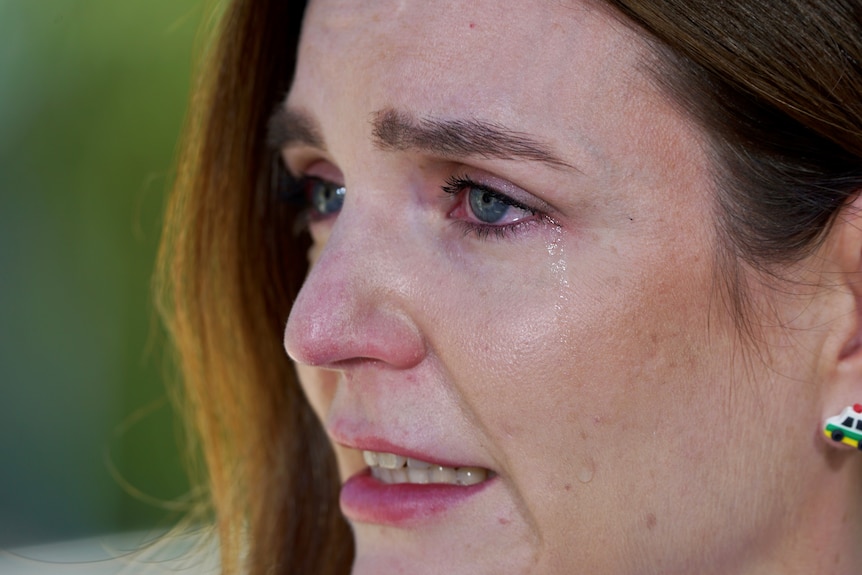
(482, 209)
(325, 198)
(487, 206)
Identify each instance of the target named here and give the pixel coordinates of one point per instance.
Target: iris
(325, 197)
(487, 206)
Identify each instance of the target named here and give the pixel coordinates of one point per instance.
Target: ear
(842, 355)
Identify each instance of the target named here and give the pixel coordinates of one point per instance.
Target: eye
(484, 209)
(318, 197)
(324, 198)
(488, 207)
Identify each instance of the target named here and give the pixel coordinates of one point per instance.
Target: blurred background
(92, 98)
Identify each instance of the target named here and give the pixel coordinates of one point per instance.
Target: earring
(846, 427)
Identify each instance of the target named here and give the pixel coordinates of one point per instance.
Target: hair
(776, 85)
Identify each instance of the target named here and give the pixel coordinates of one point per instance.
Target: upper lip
(378, 442)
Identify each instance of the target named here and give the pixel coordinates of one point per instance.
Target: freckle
(584, 435)
(568, 486)
(651, 521)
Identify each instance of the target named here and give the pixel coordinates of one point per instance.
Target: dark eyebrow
(288, 126)
(394, 130)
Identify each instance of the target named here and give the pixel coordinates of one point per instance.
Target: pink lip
(364, 499)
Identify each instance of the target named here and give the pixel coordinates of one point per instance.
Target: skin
(587, 356)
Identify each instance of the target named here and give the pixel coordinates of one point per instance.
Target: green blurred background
(92, 98)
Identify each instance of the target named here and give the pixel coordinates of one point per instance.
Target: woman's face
(522, 279)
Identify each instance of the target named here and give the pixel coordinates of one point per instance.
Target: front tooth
(384, 475)
(399, 475)
(390, 460)
(370, 458)
(440, 474)
(470, 475)
(420, 476)
(417, 464)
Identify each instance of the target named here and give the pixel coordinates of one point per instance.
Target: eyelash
(291, 190)
(456, 185)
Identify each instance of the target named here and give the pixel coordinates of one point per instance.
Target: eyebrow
(292, 127)
(394, 130)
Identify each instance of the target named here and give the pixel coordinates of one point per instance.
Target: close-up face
(520, 287)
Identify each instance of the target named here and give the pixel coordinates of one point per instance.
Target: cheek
(319, 387)
(320, 233)
(606, 393)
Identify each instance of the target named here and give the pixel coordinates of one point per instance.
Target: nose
(354, 303)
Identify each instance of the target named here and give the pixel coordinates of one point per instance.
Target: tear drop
(586, 470)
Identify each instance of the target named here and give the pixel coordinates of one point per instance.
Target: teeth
(470, 476)
(440, 474)
(415, 463)
(390, 460)
(391, 468)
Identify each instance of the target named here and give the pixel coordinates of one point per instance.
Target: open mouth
(392, 469)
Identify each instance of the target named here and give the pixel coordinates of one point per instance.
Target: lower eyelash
(484, 232)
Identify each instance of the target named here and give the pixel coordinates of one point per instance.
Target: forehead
(570, 73)
(442, 54)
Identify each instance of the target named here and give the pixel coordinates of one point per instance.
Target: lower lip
(365, 499)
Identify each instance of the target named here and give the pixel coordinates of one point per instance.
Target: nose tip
(344, 312)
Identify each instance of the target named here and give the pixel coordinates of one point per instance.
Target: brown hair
(777, 85)
(229, 268)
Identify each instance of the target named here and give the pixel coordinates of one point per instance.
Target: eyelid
(456, 185)
(303, 161)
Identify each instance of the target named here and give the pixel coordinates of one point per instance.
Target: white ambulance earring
(846, 428)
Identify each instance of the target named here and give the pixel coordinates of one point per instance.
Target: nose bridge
(353, 303)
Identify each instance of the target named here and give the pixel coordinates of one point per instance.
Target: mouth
(402, 491)
(393, 469)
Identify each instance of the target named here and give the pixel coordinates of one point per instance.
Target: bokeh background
(92, 101)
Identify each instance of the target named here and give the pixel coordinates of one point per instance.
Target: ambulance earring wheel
(846, 427)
